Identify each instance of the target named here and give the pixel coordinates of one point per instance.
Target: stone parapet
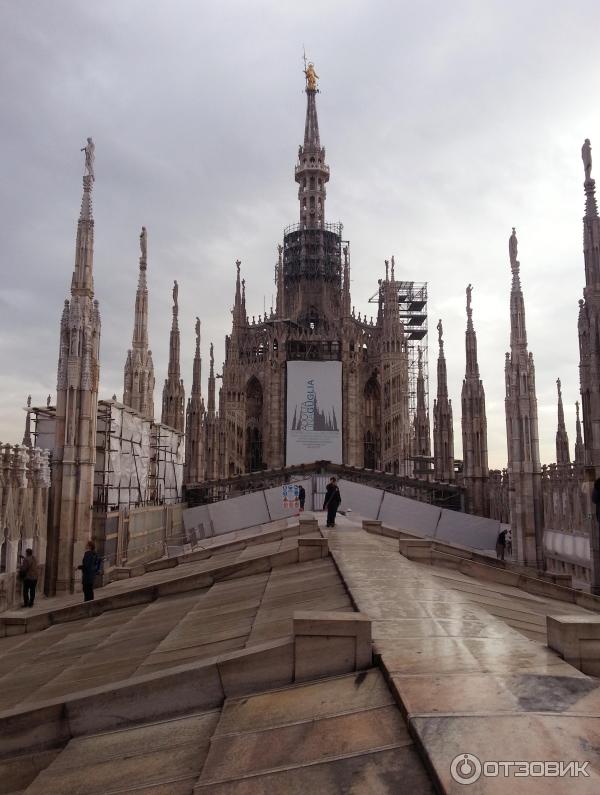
(330, 643)
(577, 639)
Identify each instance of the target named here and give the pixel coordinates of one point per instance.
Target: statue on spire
(144, 242)
(175, 294)
(558, 387)
(311, 75)
(469, 291)
(90, 156)
(440, 330)
(198, 330)
(586, 156)
(512, 247)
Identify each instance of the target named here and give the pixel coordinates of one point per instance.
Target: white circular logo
(465, 768)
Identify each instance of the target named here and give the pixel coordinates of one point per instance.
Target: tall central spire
(563, 457)
(311, 171)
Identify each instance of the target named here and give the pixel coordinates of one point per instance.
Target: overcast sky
(445, 125)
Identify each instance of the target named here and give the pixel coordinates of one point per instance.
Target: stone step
(164, 757)
(340, 734)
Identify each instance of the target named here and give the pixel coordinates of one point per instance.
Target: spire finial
(175, 297)
(558, 387)
(586, 156)
(90, 156)
(393, 268)
(469, 291)
(513, 250)
(387, 270)
(238, 264)
(197, 332)
(311, 75)
(212, 357)
(440, 330)
(143, 246)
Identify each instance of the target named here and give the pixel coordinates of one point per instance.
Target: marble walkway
(468, 682)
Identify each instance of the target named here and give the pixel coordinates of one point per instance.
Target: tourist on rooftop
(89, 569)
(332, 501)
(501, 545)
(301, 497)
(28, 572)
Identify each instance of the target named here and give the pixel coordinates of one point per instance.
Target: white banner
(314, 412)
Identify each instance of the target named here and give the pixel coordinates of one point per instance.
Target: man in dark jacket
(88, 568)
(29, 574)
(332, 501)
(301, 497)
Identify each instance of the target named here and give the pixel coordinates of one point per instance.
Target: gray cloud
(445, 125)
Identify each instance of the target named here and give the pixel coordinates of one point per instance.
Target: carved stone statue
(558, 386)
(440, 330)
(175, 292)
(512, 247)
(90, 156)
(28, 401)
(212, 354)
(586, 156)
(311, 76)
(144, 242)
(469, 291)
(198, 329)
(48, 400)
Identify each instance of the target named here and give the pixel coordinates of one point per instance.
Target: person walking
(301, 497)
(501, 545)
(89, 568)
(332, 501)
(28, 572)
(509, 543)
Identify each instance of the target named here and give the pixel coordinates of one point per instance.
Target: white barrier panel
(568, 547)
(363, 500)
(416, 517)
(475, 532)
(239, 512)
(196, 522)
(275, 500)
(314, 412)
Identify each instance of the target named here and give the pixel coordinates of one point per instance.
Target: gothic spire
(173, 391)
(346, 300)
(518, 332)
(27, 435)
(563, 457)
(82, 282)
(197, 373)
(579, 448)
(311, 172)
(524, 469)
(474, 424)
(279, 281)
(138, 389)
(211, 384)
(422, 435)
(443, 429)
(472, 366)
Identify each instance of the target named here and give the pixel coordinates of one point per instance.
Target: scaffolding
(412, 301)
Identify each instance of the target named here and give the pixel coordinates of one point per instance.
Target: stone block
(266, 666)
(330, 642)
(161, 563)
(25, 731)
(577, 639)
(312, 548)
(153, 697)
(372, 526)
(317, 656)
(307, 524)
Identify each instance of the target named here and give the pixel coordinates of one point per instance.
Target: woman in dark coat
(332, 501)
(88, 568)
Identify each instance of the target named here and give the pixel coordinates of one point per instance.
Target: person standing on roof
(301, 497)
(501, 545)
(89, 569)
(332, 501)
(28, 572)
